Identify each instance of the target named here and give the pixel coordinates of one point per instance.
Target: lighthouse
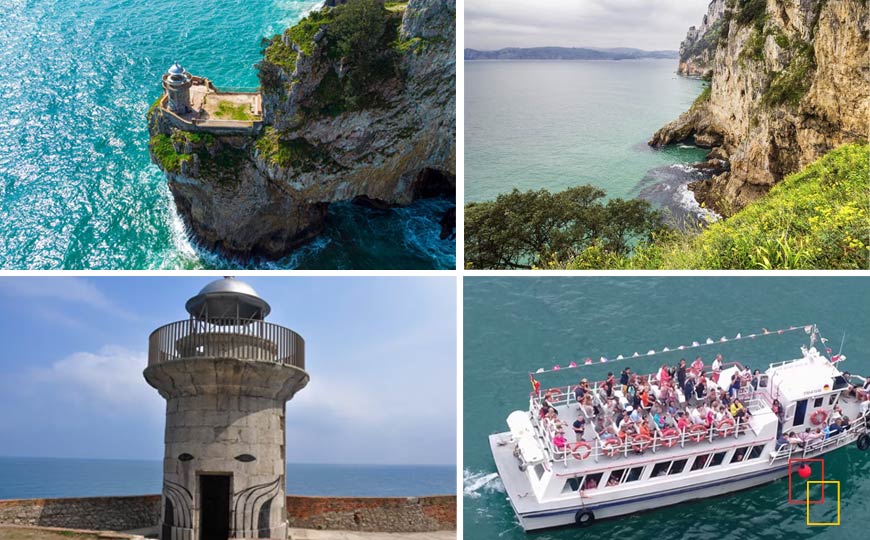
(177, 82)
(226, 375)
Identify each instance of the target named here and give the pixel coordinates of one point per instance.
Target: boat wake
(477, 483)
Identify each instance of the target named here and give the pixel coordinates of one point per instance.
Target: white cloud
(646, 24)
(64, 289)
(109, 380)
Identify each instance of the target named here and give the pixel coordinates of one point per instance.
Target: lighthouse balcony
(242, 339)
(219, 111)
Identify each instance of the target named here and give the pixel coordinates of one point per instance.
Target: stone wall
(95, 513)
(411, 514)
(382, 514)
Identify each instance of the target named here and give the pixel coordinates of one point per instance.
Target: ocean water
(557, 124)
(27, 478)
(513, 326)
(77, 188)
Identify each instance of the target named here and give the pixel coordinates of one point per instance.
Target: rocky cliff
(358, 104)
(698, 50)
(790, 81)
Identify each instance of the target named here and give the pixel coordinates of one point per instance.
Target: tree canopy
(534, 228)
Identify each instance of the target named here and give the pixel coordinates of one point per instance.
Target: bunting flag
(810, 329)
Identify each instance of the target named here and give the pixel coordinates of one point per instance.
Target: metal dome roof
(176, 69)
(228, 298)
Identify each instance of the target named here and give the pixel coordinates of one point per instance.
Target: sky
(641, 24)
(381, 353)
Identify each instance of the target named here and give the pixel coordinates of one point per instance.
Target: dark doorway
(214, 503)
(799, 413)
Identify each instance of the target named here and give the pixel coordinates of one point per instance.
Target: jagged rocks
(698, 50)
(790, 81)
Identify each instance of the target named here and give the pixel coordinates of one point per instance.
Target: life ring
(641, 442)
(725, 427)
(818, 417)
(670, 437)
(576, 450)
(554, 392)
(611, 447)
(584, 518)
(697, 432)
(863, 442)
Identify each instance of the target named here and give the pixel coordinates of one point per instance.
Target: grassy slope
(818, 218)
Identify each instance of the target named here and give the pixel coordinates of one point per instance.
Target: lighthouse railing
(243, 339)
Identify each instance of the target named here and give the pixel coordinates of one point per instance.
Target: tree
(531, 229)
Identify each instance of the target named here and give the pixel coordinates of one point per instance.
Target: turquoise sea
(532, 124)
(77, 189)
(29, 478)
(513, 326)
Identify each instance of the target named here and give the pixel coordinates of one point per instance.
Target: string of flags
(810, 329)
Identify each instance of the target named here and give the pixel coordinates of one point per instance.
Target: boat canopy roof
(809, 376)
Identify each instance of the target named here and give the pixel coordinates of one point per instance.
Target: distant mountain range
(566, 53)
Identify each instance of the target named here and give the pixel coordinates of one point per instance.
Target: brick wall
(411, 514)
(382, 514)
(95, 513)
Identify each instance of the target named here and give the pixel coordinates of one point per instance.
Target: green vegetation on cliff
(162, 148)
(818, 218)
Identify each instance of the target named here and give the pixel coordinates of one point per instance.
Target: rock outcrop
(698, 50)
(790, 82)
(358, 104)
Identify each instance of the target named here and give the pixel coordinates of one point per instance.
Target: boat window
(718, 457)
(634, 474)
(818, 402)
(661, 469)
(739, 454)
(840, 382)
(832, 399)
(592, 481)
(756, 451)
(539, 470)
(615, 477)
(800, 413)
(573, 484)
(678, 466)
(700, 461)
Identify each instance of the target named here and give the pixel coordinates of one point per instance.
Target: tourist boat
(552, 485)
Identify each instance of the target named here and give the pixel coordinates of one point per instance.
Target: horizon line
(287, 463)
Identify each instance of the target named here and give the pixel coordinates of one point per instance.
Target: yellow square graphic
(823, 482)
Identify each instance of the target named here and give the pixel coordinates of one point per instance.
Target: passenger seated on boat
(738, 411)
(701, 389)
(643, 429)
(625, 418)
(697, 365)
(658, 419)
(579, 427)
(612, 481)
(559, 441)
(781, 441)
(835, 428)
(794, 440)
(590, 483)
(682, 421)
(608, 433)
(734, 388)
(634, 414)
(609, 383)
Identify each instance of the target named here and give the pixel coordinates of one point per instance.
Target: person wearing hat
(579, 427)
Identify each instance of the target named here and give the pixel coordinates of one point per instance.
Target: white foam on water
(476, 483)
(687, 200)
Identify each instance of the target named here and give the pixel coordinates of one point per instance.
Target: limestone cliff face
(698, 50)
(355, 108)
(790, 82)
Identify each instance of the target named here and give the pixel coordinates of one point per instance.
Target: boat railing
(615, 447)
(787, 450)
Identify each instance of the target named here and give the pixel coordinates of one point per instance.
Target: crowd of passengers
(676, 397)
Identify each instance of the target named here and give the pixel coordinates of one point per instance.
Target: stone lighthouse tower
(226, 375)
(177, 82)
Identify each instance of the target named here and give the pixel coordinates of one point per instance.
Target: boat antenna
(841, 344)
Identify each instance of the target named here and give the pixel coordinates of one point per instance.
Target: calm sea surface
(77, 189)
(516, 325)
(557, 124)
(26, 478)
